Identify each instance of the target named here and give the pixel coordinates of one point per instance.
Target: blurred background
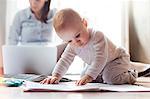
(125, 22)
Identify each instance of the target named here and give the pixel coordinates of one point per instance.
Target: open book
(71, 87)
(143, 81)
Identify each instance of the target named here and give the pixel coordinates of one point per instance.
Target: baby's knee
(122, 78)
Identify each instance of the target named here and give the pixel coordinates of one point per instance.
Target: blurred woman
(33, 25)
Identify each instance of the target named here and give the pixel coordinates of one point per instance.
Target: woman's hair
(45, 10)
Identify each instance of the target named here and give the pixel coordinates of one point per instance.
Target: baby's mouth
(82, 44)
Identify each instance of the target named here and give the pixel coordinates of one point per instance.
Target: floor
(17, 93)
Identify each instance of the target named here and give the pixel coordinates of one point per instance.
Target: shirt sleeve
(65, 61)
(101, 54)
(54, 11)
(15, 30)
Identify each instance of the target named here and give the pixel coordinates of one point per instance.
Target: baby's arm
(84, 80)
(65, 61)
(61, 66)
(101, 55)
(100, 46)
(52, 80)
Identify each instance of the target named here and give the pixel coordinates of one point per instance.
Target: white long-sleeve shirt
(97, 53)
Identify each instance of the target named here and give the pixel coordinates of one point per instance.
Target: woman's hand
(84, 80)
(51, 80)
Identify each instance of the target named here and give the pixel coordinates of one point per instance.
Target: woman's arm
(15, 30)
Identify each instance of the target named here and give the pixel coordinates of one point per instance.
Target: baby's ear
(84, 22)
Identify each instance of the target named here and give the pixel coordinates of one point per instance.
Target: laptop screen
(29, 59)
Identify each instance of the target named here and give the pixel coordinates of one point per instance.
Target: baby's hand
(84, 80)
(51, 80)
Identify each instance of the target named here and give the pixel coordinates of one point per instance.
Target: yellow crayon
(1, 80)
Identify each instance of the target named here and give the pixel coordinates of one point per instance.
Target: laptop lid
(36, 59)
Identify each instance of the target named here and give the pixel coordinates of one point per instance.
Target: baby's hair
(64, 17)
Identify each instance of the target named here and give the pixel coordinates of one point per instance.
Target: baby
(106, 63)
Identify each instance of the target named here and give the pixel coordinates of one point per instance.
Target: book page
(70, 86)
(125, 88)
(62, 86)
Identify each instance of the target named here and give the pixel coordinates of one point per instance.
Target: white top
(97, 53)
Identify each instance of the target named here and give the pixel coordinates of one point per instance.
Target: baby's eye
(70, 41)
(78, 36)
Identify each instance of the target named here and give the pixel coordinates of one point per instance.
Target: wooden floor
(17, 93)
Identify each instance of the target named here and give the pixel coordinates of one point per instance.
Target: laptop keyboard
(29, 77)
(33, 77)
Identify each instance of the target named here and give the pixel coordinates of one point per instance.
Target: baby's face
(75, 34)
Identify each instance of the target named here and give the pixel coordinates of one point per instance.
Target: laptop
(29, 59)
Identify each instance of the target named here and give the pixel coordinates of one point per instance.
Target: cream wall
(2, 26)
(139, 30)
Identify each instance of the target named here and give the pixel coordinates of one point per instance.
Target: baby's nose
(76, 40)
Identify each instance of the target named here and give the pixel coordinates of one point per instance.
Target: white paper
(70, 86)
(66, 86)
